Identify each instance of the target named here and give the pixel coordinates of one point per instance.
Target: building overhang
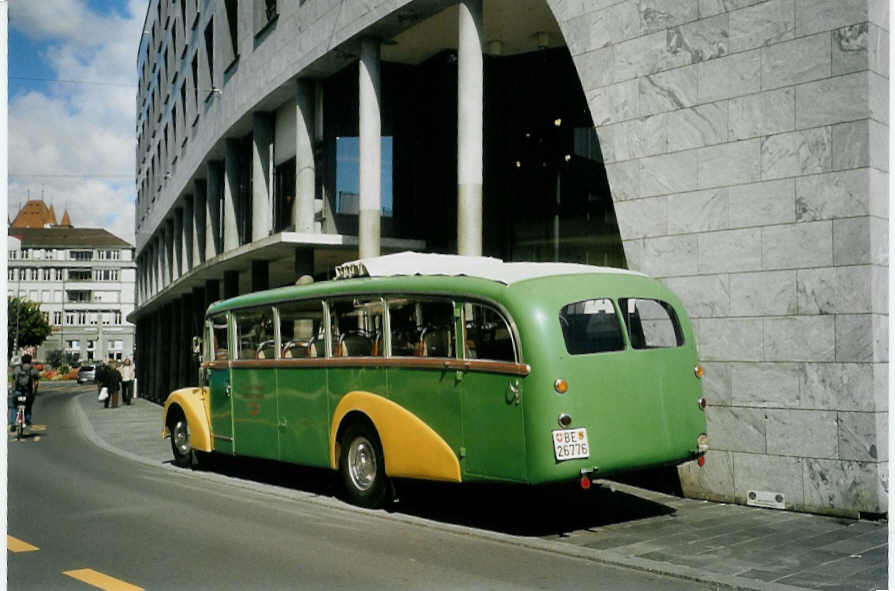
(277, 247)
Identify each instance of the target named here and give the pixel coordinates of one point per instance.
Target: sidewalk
(734, 546)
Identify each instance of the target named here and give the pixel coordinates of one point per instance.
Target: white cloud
(78, 129)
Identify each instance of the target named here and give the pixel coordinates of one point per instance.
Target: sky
(72, 108)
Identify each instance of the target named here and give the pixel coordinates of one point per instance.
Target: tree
(27, 327)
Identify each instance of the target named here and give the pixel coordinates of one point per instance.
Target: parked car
(86, 374)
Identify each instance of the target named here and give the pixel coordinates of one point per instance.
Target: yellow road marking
(17, 545)
(101, 581)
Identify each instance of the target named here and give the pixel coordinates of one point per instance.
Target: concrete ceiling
(520, 26)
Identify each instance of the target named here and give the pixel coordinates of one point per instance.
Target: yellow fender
(194, 403)
(412, 448)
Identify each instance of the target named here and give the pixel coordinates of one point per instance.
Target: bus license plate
(570, 444)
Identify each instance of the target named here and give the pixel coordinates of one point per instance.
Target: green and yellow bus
(448, 368)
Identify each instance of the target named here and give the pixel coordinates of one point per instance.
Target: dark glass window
(652, 324)
(219, 346)
(591, 326)
(421, 328)
(301, 330)
(356, 327)
(254, 333)
(348, 176)
(488, 336)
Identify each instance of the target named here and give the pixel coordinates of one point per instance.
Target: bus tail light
(699, 371)
(561, 386)
(585, 482)
(701, 461)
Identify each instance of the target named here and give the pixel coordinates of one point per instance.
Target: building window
(45, 316)
(265, 13)
(195, 67)
(348, 176)
(209, 55)
(79, 296)
(70, 318)
(12, 275)
(57, 274)
(26, 253)
(117, 316)
(81, 255)
(46, 274)
(57, 318)
(79, 275)
(73, 345)
(13, 254)
(232, 7)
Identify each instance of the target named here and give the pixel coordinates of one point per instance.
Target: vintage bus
(448, 368)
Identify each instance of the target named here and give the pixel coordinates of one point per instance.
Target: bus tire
(362, 466)
(184, 455)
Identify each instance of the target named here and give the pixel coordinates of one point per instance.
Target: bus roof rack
(416, 263)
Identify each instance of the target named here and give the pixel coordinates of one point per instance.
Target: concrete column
(213, 202)
(171, 347)
(469, 128)
(262, 175)
(160, 259)
(177, 245)
(200, 215)
(231, 186)
(370, 150)
(231, 284)
(305, 166)
(188, 258)
(260, 275)
(169, 251)
(159, 347)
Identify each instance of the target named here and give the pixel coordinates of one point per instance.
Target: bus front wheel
(180, 442)
(362, 466)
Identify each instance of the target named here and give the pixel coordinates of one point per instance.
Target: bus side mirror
(197, 348)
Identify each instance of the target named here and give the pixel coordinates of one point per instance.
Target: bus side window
(254, 333)
(422, 328)
(301, 330)
(488, 336)
(220, 348)
(356, 326)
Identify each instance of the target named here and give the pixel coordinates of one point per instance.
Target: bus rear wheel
(362, 466)
(180, 442)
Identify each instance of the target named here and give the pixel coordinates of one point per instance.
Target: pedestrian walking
(128, 372)
(112, 382)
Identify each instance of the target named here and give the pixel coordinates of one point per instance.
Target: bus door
(254, 384)
(219, 384)
(423, 339)
(493, 425)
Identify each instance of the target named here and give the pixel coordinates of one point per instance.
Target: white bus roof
(415, 263)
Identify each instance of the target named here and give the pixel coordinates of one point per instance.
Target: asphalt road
(99, 517)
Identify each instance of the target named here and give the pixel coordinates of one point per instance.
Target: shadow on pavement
(506, 508)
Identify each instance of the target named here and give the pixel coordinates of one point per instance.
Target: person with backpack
(111, 379)
(25, 379)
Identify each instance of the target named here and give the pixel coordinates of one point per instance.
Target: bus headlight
(702, 443)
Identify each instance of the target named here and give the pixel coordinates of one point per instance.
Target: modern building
(736, 149)
(83, 278)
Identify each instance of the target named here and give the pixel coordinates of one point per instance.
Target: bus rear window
(591, 326)
(652, 324)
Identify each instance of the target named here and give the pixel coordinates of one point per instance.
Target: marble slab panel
(634, 254)
(638, 218)
(852, 241)
(729, 339)
(700, 211)
(656, 15)
(855, 338)
(837, 386)
(730, 76)
(834, 100)
(703, 296)
(696, 127)
(648, 136)
(765, 385)
(702, 40)
(851, 144)
(879, 289)
(764, 113)
(736, 428)
(763, 24)
(761, 204)
(564, 10)
(879, 97)
(800, 338)
(768, 293)
(670, 256)
(600, 28)
(879, 194)
(716, 382)
(734, 163)
(624, 179)
(845, 485)
(595, 68)
(714, 481)
(850, 48)
(712, 7)
(730, 251)
(836, 290)
(796, 153)
(881, 386)
(832, 195)
(863, 436)
(805, 433)
(815, 16)
(669, 173)
(797, 61)
(768, 473)
(647, 55)
(668, 91)
(614, 103)
(798, 246)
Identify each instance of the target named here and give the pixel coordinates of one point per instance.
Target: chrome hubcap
(181, 436)
(362, 463)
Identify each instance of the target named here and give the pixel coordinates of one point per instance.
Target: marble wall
(746, 144)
